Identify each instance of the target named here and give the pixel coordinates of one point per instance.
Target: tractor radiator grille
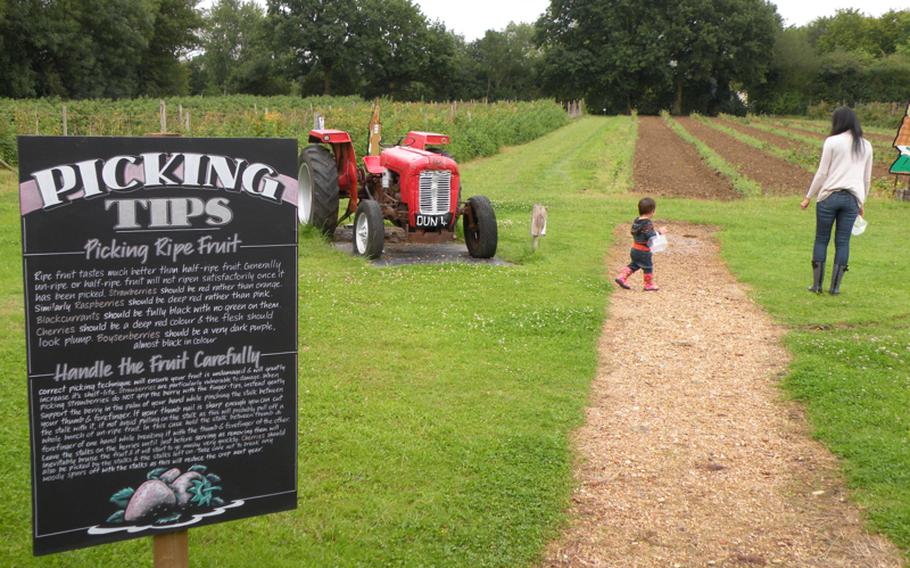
(435, 192)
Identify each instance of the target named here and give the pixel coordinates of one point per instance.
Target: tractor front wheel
(369, 233)
(479, 223)
(317, 189)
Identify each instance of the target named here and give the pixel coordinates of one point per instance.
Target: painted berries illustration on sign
(902, 142)
(168, 495)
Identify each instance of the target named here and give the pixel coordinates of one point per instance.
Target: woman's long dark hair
(845, 119)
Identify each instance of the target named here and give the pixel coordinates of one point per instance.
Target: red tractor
(413, 185)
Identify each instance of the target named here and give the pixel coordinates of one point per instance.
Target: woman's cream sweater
(840, 169)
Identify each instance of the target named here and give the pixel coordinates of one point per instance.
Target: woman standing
(840, 187)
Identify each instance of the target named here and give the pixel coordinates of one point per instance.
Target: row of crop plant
(773, 155)
(476, 128)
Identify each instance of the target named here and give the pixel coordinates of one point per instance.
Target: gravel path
(667, 165)
(689, 456)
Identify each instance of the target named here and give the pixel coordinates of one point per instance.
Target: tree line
(618, 55)
(848, 58)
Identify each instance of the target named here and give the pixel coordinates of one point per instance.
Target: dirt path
(773, 174)
(667, 165)
(689, 456)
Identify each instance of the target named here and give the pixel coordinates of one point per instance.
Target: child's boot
(623, 276)
(649, 283)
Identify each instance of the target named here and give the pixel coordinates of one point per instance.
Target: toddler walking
(642, 231)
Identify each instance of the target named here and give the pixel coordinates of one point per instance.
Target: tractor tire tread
(483, 243)
(324, 174)
(375, 226)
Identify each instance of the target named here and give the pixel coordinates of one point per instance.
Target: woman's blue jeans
(839, 208)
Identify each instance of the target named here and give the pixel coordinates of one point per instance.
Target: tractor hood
(429, 186)
(410, 161)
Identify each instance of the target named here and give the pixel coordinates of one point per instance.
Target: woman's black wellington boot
(836, 276)
(818, 277)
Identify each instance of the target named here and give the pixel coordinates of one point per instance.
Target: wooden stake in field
(162, 116)
(171, 550)
(538, 225)
(375, 131)
(65, 128)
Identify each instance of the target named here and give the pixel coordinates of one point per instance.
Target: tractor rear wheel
(317, 193)
(480, 232)
(369, 232)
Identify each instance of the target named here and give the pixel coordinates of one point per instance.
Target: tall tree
(508, 62)
(392, 42)
(846, 58)
(174, 35)
(847, 30)
(237, 55)
(316, 39)
(625, 54)
(795, 64)
(93, 48)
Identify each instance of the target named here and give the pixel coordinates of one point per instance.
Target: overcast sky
(471, 18)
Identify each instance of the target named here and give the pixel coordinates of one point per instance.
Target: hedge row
(477, 129)
(880, 115)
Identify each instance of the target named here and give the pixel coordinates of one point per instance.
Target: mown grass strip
(742, 184)
(803, 159)
(855, 385)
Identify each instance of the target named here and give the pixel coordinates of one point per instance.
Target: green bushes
(477, 129)
(882, 115)
(7, 141)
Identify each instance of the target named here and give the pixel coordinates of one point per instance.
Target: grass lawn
(436, 401)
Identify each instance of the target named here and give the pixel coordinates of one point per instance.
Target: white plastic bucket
(657, 243)
(859, 226)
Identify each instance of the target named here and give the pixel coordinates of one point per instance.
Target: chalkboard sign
(160, 296)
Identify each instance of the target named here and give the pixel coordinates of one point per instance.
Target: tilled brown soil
(773, 174)
(880, 165)
(666, 165)
(689, 456)
(775, 139)
(871, 136)
(801, 131)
